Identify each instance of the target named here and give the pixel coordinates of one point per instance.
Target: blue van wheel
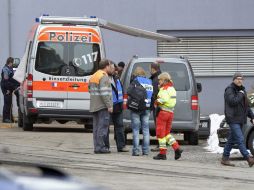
(193, 138)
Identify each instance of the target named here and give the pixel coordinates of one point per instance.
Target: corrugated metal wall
(214, 56)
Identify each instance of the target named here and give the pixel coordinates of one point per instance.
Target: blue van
(187, 110)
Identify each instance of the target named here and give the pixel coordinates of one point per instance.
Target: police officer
(8, 85)
(117, 115)
(120, 68)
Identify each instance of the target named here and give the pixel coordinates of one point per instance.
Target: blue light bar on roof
(37, 19)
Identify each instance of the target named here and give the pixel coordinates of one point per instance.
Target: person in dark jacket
(155, 72)
(8, 85)
(120, 68)
(236, 111)
(117, 114)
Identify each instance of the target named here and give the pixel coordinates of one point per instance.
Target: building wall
(155, 15)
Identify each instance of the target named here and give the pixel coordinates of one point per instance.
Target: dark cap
(121, 64)
(237, 74)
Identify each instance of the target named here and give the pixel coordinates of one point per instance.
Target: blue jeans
(140, 120)
(235, 137)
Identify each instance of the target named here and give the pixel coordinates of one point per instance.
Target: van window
(67, 59)
(85, 58)
(178, 72)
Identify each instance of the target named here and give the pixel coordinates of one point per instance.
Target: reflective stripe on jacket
(117, 98)
(167, 97)
(100, 91)
(147, 84)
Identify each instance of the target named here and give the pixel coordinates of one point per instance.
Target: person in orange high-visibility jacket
(165, 103)
(101, 105)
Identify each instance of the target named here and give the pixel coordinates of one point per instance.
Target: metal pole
(9, 27)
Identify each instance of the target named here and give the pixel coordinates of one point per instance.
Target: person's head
(164, 78)
(120, 67)
(238, 79)
(112, 68)
(139, 72)
(105, 65)
(9, 62)
(155, 67)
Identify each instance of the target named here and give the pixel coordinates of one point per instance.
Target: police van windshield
(177, 71)
(67, 59)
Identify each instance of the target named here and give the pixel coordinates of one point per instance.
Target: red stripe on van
(60, 86)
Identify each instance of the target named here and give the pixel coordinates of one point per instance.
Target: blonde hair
(139, 71)
(165, 77)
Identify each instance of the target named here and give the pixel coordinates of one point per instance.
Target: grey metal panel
(214, 56)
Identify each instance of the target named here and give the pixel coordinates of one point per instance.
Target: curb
(7, 125)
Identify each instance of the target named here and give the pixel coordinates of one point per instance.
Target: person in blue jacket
(8, 85)
(140, 119)
(117, 114)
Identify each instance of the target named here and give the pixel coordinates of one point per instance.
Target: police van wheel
(20, 118)
(193, 138)
(88, 127)
(251, 142)
(62, 121)
(27, 124)
(125, 136)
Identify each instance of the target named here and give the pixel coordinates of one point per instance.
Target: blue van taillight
(194, 102)
(125, 97)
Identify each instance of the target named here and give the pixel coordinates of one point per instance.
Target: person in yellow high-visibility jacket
(165, 102)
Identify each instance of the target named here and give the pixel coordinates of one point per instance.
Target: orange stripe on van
(94, 36)
(60, 86)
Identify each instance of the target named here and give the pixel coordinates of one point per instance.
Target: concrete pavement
(72, 151)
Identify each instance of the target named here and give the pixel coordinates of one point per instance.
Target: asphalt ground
(69, 147)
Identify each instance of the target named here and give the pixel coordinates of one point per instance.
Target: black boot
(178, 153)
(160, 157)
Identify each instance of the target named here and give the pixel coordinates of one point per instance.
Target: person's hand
(110, 110)
(8, 92)
(252, 121)
(17, 89)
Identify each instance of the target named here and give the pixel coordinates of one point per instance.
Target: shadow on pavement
(64, 130)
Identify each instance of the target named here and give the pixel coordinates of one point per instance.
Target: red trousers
(163, 128)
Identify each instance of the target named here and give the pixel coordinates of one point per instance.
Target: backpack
(136, 97)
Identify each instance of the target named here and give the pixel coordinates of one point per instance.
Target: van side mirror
(199, 87)
(16, 62)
